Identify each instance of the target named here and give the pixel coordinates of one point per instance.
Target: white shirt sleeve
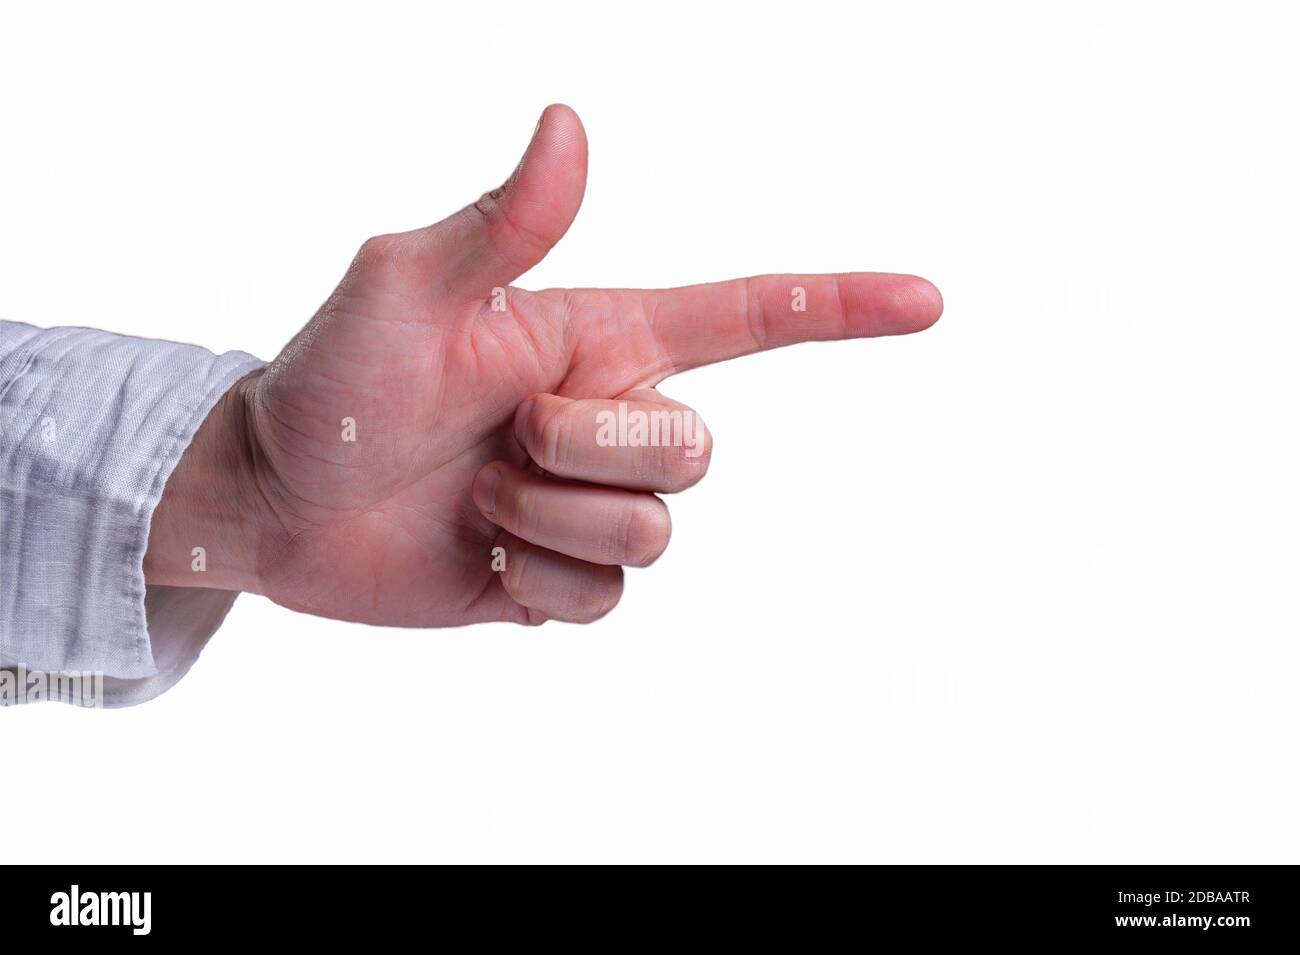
(91, 427)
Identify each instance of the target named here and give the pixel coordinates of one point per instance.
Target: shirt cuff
(93, 425)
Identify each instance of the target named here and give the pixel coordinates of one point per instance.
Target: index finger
(700, 324)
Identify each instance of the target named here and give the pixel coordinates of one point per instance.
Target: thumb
(509, 230)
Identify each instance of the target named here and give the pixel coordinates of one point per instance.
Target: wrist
(206, 528)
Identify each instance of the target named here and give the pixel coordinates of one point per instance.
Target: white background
(1020, 588)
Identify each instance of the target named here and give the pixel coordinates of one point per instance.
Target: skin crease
(397, 527)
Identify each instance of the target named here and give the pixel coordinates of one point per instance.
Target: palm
(371, 426)
(383, 527)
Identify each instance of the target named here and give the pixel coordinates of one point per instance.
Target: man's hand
(475, 412)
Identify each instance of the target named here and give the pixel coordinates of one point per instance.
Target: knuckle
(490, 201)
(512, 578)
(554, 435)
(382, 257)
(528, 513)
(376, 248)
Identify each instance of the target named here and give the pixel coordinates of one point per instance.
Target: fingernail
(485, 489)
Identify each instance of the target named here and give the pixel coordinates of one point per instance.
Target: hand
(476, 410)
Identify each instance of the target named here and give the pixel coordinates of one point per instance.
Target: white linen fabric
(91, 427)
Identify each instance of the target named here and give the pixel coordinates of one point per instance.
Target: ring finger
(601, 525)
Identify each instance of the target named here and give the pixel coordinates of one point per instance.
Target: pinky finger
(558, 586)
